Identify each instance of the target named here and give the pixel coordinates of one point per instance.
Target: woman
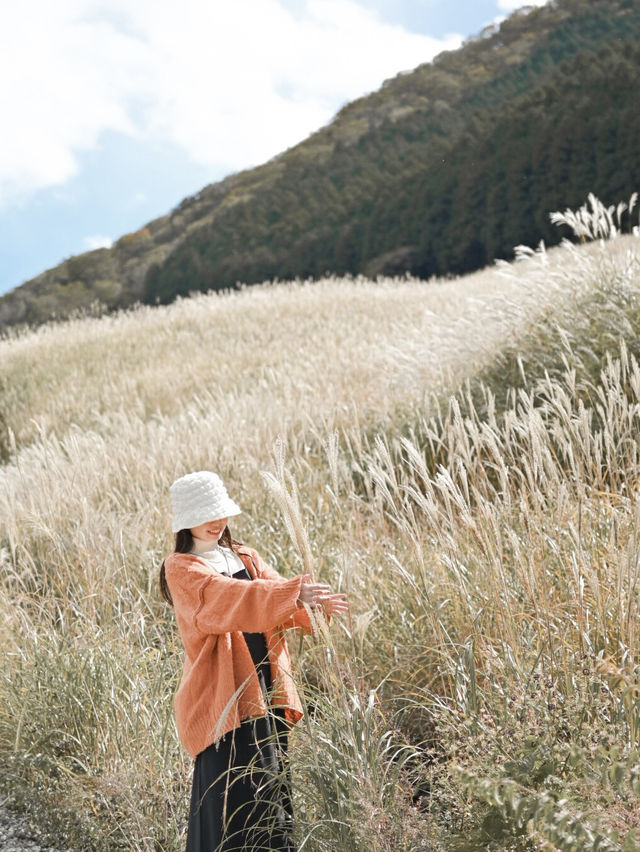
(236, 700)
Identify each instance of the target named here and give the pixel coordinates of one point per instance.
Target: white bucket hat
(200, 497)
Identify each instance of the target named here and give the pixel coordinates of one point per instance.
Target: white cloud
(54, 97)
(232, 83)
(511, 5)
(97, 241)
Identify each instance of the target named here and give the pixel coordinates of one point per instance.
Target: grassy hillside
(394, 182)
(466, 459)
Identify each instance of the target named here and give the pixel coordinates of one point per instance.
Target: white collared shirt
(223, 559)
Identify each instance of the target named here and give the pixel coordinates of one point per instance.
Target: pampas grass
(460, 457)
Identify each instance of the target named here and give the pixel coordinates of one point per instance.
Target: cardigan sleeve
(218, 604)
(300, 618)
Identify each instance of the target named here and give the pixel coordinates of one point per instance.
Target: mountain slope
(349, 198)
(577, 133)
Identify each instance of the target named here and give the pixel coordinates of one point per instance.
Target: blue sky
(118, 110)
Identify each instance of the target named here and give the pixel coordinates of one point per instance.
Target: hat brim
(187, 522)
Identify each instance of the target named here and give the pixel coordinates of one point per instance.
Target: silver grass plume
(283, 487)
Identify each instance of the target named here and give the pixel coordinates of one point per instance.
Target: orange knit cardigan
(219, 686)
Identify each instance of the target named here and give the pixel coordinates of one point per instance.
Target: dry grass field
(464, 459)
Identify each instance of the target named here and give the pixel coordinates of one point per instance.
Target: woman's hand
(335, 604)
(319, 594)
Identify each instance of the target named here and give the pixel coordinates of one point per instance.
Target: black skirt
(241, 792)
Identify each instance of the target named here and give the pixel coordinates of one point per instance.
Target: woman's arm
(331, 603)
(300, 617)
(220, 604)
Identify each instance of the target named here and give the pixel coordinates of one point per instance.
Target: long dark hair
(184, 544)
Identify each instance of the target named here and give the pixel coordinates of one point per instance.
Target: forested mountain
(441, 170)
(575, 134)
